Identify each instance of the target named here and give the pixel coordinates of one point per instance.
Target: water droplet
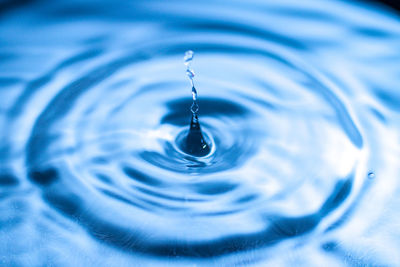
(371, 175)
(188, 57)
(190, 73)
(194, 108)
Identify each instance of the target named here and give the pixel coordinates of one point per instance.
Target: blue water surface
(298, 100)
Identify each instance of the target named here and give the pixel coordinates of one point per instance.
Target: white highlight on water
(190, 73)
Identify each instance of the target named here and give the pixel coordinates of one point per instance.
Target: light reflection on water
(299, 100)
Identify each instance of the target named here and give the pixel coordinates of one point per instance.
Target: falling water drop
(194, 143)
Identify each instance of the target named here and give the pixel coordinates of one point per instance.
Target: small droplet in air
(371, 175)
(190, 73)
(188, 57)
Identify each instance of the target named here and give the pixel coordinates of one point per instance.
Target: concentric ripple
(296, 101)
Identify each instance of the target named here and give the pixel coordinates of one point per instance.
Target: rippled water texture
(299, 101)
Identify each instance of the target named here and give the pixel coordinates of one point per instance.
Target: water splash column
(194, 143)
